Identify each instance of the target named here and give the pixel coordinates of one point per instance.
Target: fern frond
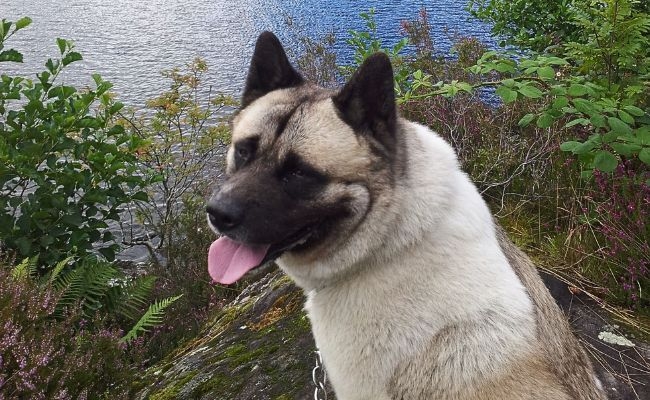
(150, 319)
(87, 284)
(135, 296)
(51, 278)
(28, 268)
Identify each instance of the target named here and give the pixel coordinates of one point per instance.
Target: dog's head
(305, 166)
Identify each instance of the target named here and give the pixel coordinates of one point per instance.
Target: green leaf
(556, 61)
(598, 120)
(584, 148)
(507, 95)
(526, 119)
(62, 92)
(636, 111)
(581, 121)
(23, 23)
(62, 43)
(585, 106)
(11, 55)
(530, 91)
(625, 117)
(505, 66)
(71, 57)
(546, 72)
(545, 120)
(644, 155)
(577, 90)
(619, 126)
(569, 146)
(560, 102)
(142, 196)
(108, 253)
(643, 135)
(605, 161)
(625, 149)
(610, 137)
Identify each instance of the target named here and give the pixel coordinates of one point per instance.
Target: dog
(412, 292)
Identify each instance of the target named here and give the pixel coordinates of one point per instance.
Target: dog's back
(562, 351)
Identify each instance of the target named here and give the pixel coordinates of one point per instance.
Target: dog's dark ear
(270, 69)
(367, 101)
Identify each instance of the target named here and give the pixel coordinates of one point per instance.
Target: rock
(258, 347)
(623, 367)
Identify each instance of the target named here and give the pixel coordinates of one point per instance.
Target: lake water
(130, 41)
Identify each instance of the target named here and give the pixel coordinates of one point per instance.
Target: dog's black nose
(225, 215)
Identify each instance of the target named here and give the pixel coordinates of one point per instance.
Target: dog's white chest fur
(424, 279)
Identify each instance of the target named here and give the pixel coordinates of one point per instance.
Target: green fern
(150, 319)
(134, 297)
(56, 271)
(88, 284)
(28, 268)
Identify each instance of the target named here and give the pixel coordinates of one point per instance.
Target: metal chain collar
(319, 378)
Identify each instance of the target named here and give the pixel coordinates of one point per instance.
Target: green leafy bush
(616, 126)
(542, 24)
(66, 168)
(592, 103)
(365, 43)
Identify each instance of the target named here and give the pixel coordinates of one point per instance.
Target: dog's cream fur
(379, 301)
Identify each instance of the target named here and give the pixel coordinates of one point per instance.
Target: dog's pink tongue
(228, 260)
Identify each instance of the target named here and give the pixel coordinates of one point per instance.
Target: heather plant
(620, 203)
(66, 168)
(45, 356)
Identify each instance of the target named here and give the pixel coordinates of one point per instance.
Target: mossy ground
(260, 347)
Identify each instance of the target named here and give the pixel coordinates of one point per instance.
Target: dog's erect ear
(269, 70)
(367, 101)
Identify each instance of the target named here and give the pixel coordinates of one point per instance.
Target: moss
(239, 354)
(283, 280)
(283, 397)
(220, 385)
(282, 307)
(171, 392)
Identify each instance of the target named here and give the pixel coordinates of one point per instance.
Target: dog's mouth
(229, 260)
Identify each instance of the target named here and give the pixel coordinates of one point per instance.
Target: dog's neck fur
(367, 323)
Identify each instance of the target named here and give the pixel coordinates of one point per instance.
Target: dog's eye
(295, 175)
(245, 151)
(242, 153)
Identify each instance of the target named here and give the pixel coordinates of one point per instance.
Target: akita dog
(412, 292)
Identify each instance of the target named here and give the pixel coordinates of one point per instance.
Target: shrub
(186, 138)
(536, 25)
(65, 168)
(579, 212)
